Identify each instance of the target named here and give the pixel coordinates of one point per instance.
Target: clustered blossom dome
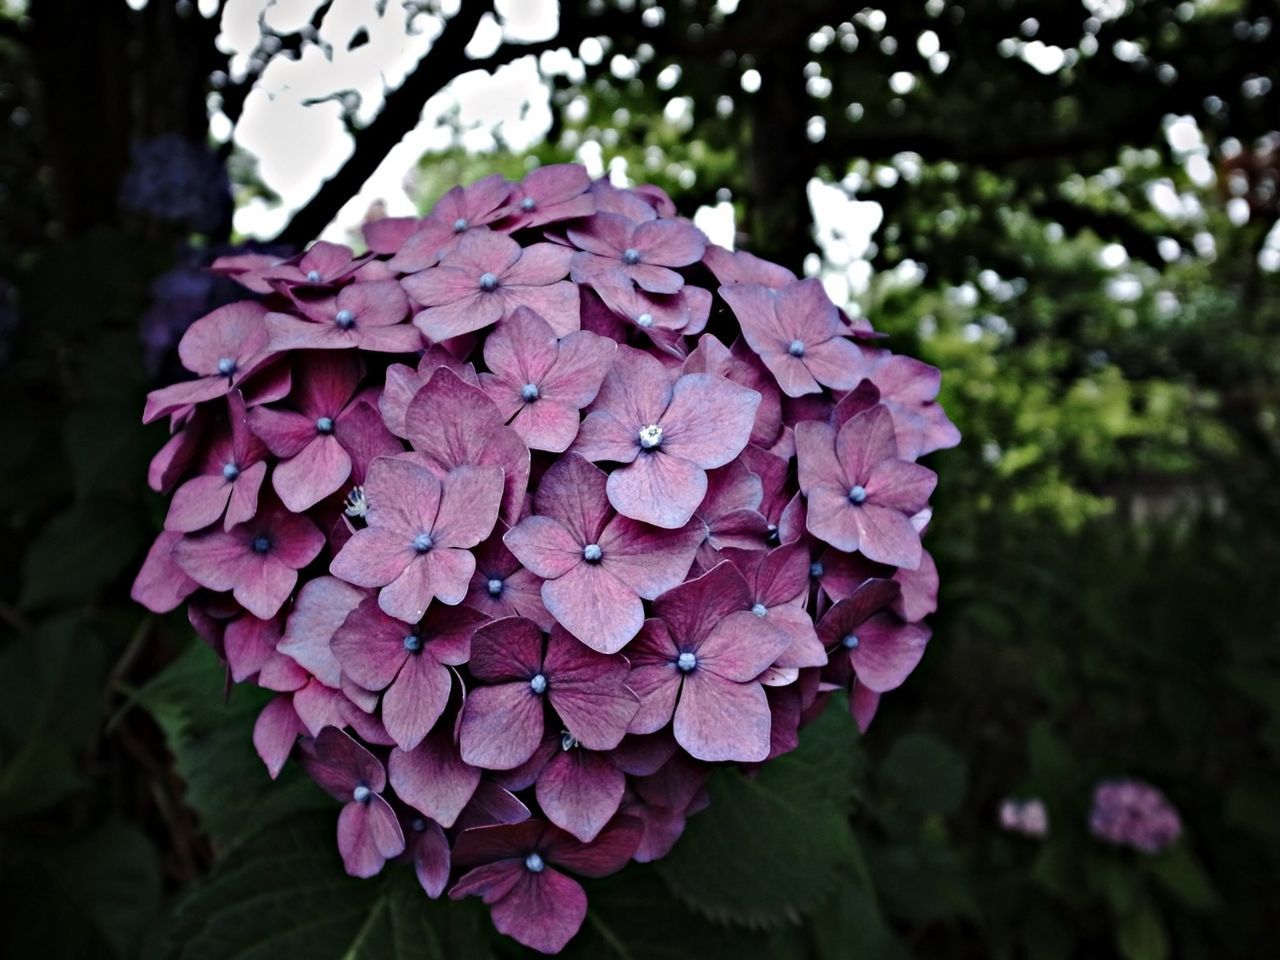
(533, 513)
(1130, 813)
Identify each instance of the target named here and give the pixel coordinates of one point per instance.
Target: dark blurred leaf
(849, 925)
(1181, 873)
(1141, 935)
(78, 552)
(931, 775)
(210, 736)
(770, 846)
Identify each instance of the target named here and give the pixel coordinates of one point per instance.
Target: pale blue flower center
(529, 392)
(345, 319)
(533, 863)
(488, 281)
(413, 643)
(816, 569)
(418, 824)
(592, 553)
(771, 533)
(686, 662)
(850, 641)
(857, 493)
(645, 319)
(759, 609)
(495, 587)
(324, 425)
(567, 740)
(650, 436)
(313, 276)
(261, 544)
(422, 542)
(460, 224)
(361, 794)
(538, 684)
(796, 348)
(356, 504)
(226, 366)
(528, 203)
(230, 471)
(631, 256)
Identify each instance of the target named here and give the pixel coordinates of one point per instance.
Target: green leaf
(78, 552)
(931, 775)
(1182, 874)
(849, 925)
(96, 896)
(771, 845)
(210, 733)
(1141, 935)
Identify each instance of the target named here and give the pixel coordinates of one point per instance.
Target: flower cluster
(175, 180)
(533, 513)
(1131, 813)
(1027, 817)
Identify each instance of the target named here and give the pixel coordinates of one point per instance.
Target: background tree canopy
(1074, 210)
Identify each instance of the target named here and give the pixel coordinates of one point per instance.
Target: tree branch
(399, 115)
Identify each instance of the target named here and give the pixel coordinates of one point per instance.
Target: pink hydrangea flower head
(665, 435)
(1127, 812)
(533, 515)
(1027, 817)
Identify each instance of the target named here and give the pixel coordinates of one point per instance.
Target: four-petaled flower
(368, 833)
(365, 316)
(331, 430)
(539, 382)
(502, 720)
(410, 662)
(485, 278)
(559, 191)
(868, 642)
(258, 560)
(699, 661)
(417, 544)
(666, 435)
(514, 872)
(798, 334)
(597, 566)
(861, 496)
(644, 253)
(231, 474)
